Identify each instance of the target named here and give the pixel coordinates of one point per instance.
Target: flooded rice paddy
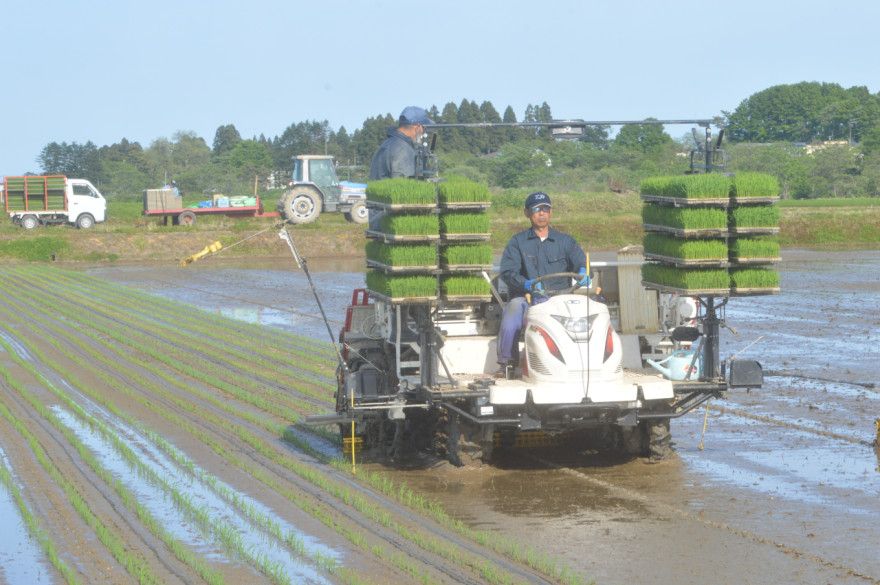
(785, 488)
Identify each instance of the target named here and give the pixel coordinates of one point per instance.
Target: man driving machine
(529, 255)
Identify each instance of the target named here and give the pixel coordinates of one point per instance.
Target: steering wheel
(560, 291)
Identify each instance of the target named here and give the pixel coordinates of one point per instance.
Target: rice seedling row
(221, 529)
(270, 340)
(325, 515)
(239, 432)
(691, 279)
(400, 286)
(248, 378)
(469, 286)
(34, 527)
(196, 333)
(746, 248)
(663, 245)
(712, 186)
(135, 565)
(748, 216)
(424, 224)
(361, 505)
(466, 254)
(685, 218)
(419, 255)
(463, 222)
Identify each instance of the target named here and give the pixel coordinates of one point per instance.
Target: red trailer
(165, 205)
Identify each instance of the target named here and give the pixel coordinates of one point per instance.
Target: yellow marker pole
(705, 425)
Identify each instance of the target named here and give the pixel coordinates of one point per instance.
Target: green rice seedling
(744, 278)
(402, 254)
(401, 191)
(685, 249)
(755, 185)
(467, 285)
(464, 223)
(688, 186)
(754, 216)
(397, 286)
(686, 278)
(461, 190)
(469, 254)
(684, 218)
(424, 224)
(766, 247)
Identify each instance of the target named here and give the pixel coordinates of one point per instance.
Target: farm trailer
(165, 203)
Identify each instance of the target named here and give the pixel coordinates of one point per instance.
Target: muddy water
(785, 489)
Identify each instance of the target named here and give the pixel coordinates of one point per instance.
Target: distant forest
(820, 139)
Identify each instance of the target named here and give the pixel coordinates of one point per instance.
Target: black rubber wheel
(85, 221)
(300, 205)
(359, 213)
(659, 439)
(186, 218)
(29, 222)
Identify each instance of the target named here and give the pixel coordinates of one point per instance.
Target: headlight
(577, 329)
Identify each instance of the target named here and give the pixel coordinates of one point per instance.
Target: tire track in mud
(442, 566)
(662, 508)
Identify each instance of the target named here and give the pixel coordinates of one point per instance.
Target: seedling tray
(468, 298)
(743, 200)
(395, 238)
(465, 237)
(687, 233)
(390, 269)
(749, 261)
(709, 292)
(745, 292)
(402, 206)
(754, 231)
(687, 202)
(403, 300)
(705, 262)
(466, 267)
(466, 205)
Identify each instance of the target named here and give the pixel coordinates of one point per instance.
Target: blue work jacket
(396, 157)
(526, 257)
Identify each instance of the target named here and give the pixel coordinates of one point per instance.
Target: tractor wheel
(85, 221)
(300, 205)
(186, 218)
(359, 213)
(659, 439)
(462, 451)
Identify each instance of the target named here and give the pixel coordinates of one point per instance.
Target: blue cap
(414, 115)
(536, 199)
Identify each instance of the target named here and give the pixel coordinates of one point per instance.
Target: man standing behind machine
(532, 253)
(396, 156)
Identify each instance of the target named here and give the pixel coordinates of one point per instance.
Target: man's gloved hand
(534, 287)
(585, 280)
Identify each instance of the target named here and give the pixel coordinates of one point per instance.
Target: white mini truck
(32, 201)
(422, 376)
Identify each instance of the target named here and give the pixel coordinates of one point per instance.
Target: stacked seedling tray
(711, 234)
(464, 231)
(402, 255)
(754, 225)
(686, 229)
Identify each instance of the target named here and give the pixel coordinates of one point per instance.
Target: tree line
(766, 132)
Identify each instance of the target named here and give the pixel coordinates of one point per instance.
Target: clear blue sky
(84, 70)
